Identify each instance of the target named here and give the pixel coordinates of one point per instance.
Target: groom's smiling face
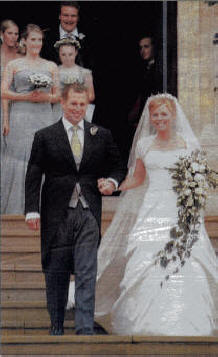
(74, 106)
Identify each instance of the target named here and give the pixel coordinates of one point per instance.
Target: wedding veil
(145, 130)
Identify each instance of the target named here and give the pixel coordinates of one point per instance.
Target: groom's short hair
(70, 4)
(76, 87)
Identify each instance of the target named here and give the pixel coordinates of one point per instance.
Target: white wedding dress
(128, 285)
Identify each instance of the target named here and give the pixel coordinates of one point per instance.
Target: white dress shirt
(64, 34)
(80, 132)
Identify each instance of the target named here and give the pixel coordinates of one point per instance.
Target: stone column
(197, 24)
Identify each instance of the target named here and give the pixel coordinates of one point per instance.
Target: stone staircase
(24, 317)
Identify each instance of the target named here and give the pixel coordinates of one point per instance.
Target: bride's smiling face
(161, 118)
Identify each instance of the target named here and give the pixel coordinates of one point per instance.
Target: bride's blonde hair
(157, 102)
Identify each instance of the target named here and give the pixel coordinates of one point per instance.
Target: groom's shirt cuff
(32, 215)
(114, 182)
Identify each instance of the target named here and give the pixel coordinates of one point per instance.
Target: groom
(73, 154)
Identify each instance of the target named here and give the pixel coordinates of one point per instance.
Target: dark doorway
(114, 28)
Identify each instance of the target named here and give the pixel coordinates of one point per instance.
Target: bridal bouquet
(192, 178)
(40, 80)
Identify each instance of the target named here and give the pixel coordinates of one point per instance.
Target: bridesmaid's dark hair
(30, 28)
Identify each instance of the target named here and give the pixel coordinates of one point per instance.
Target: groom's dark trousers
(79, 236)
(70, 234)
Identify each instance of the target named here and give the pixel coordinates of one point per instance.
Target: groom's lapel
(63, 144)
(87, 148)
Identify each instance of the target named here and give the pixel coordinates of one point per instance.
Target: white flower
(201, 200)
(185, 183)
(192, 210)
(40, 80)
(187, 192)
(93, 130)
(70, 79)
(67, 40)
(188, 175)
(195, 167)
(81, 36)
(202, 168)
(190, 202)
(199, 178)
(199, 191)
(192, 184)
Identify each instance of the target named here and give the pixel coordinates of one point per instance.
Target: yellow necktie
(75, 143)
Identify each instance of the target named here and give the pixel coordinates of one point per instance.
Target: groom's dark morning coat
(51, 154)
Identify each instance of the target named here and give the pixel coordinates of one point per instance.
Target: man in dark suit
(74, 155)
(68, 27)
(149, 78)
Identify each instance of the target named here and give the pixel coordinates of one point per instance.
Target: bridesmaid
(9, 51)
(9, 36)
(70, 72)
(30, 111)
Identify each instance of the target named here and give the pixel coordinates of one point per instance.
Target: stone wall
(197, 71)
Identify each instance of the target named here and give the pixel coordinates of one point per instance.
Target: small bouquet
(70, 79)
(40, 81)
(192, 177)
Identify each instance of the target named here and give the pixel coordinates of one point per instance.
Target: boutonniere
(81, 36)
(93, 130)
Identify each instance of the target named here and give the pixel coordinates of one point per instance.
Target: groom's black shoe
(56, 330)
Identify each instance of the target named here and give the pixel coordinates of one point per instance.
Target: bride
(129, 282)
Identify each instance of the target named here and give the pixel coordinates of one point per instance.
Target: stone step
(108, 345)
(31, 314)
(13, 319)
(18, 232)
(18, 266)
(33, 331)
(22, 276)
(11, 257)
(25, 260)
(21, 244)
(24, 311)
(22, 291)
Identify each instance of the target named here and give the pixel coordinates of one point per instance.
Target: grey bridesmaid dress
(25, 119)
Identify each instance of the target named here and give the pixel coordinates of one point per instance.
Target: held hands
(33, 224)
(105, 186)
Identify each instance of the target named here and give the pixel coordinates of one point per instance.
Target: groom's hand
(33, 224)
(106, 187)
